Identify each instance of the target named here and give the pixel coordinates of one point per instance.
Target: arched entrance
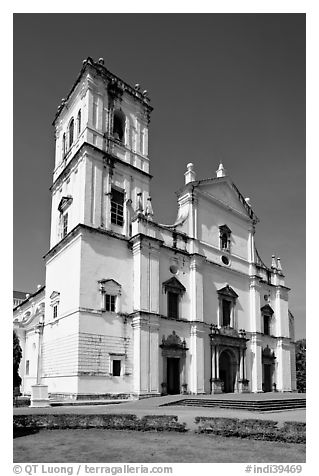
(268, 363)
(174, 354)
(227, 371)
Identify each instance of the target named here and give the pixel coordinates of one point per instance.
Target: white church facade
(131, 307)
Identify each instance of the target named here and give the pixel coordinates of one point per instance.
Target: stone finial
(247, 200)
(27, 295)
(149, 209)
(190, 175)
(101, 61)
(273, 262)
(221, 172)
(279, 267)
(39, 286)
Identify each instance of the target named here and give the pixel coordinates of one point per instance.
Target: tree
(301, 365)
(17, 356)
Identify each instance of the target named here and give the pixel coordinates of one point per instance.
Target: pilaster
(196, 288)
(197, 359)
(283, 355)
(256, 363)
(146, 274)
(146, 354)
(254, 298)
(281, 312)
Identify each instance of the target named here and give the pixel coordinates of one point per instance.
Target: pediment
(227, 291)
(110, 286)
(109, 281)
(267, 310)
(226, 193)
(65, 202)
(54, 295)
(174, 285)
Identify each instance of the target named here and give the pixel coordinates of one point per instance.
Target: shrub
(291, 432)
(114, 422)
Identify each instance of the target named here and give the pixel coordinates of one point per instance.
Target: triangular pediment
(174, 285)
(267, 310)
(228, 291)
(109, 281)
(225, 192)
(65, 202)
(54, 295)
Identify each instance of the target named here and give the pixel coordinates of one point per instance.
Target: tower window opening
(65, 225)
(71, 132)
(117, 207)
(64, 145)
(118, 125)
(79, 122)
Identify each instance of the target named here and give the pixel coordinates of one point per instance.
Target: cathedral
(132, 308)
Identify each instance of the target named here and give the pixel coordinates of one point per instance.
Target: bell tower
(101, 176)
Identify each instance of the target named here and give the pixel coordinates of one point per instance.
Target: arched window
(64, 145)
(118, 125)
(71, 132)
(79, 122)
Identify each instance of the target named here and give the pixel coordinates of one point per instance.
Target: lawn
(98, 445)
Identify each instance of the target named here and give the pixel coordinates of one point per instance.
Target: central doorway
(267, 378)
(173, 375)
(226, 371)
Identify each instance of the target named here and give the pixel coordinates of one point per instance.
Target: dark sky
(227, 87)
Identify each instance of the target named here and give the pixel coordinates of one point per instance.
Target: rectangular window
(172, 305)
(94, 118)
(55, 311)
(116, 370)
(141, 141)
(110, 302)
(266, 325)
(226, 312)
(65, 225)
(27, 367)
(117, 207)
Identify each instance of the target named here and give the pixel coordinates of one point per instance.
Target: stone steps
(250, 405)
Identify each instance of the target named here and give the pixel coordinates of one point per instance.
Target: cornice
(76, 232)
(104, 73)
(104, 155)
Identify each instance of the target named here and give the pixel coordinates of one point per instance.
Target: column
(39, 392)
(216, 386)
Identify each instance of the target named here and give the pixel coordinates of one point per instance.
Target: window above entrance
(174, 290)
(227, 298)
(267, 314)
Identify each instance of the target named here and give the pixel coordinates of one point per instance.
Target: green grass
(98, 445)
